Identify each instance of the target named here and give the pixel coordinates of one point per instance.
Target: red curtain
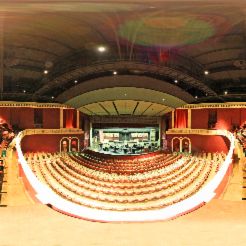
(69, 118)
(181, 118)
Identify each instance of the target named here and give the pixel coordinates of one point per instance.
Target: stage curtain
(181, 118)
(69, 118)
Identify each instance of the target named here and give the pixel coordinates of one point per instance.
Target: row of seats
(126, 167)
(154, 189)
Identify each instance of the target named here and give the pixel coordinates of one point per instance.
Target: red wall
(226, 118)
(199, 118)
(4, 114)
(46, 143)
(206, 143)
(51, 118)
(24, 117)
(243, 115)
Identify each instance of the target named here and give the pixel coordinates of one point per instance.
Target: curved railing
(47, 196)
(28, 132)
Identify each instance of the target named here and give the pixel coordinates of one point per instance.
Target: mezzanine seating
(158, 187)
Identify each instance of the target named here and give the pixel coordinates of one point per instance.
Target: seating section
(130, 165)
(240, 134)
(7, 134)
(162, 180)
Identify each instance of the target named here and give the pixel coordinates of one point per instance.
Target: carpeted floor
(218, 223)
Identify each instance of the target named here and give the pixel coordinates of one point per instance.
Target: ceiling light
(115, 72)
(196, 97)
(52, 97)
(176, 81)
(206, 72)
(46, 71)
(125, 94)
(225, 92)
(24, 91)
(163, 99)
(101, 49)
(75, 81)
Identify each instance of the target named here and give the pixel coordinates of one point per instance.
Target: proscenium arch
(125, 81)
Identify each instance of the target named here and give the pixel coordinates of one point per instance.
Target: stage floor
(120, 153)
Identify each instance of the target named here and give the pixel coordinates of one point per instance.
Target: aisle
(16, 194)
(218, 223)
(234, 190)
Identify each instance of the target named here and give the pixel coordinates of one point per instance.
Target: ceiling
(172, 42)
(125, 107)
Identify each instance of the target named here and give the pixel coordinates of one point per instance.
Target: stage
(121, 153)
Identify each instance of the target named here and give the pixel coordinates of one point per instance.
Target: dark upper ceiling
(165, 40)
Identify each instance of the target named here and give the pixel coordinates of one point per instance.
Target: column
(78, 118)
(189, 118)
(61, 117)
(173, 119)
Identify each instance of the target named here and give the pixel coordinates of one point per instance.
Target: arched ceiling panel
(125, 107)
(121, 94)
(132, 82)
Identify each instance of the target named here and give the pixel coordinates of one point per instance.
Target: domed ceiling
(194, 49)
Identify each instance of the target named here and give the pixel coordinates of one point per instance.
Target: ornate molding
(214, 105)
(28, 132)
(32, 105)
(187, 131)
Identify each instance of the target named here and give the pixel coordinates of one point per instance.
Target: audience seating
(132, 185)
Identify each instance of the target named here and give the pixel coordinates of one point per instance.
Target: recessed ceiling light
(206, 72)
(52, 97)
(101, 49)
(196, 97)
(75, 81)
(115, 72)
(176, 81)
(46, 71)
(24, 91)
(225, 92)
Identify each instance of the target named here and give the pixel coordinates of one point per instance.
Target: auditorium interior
(122, 122)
